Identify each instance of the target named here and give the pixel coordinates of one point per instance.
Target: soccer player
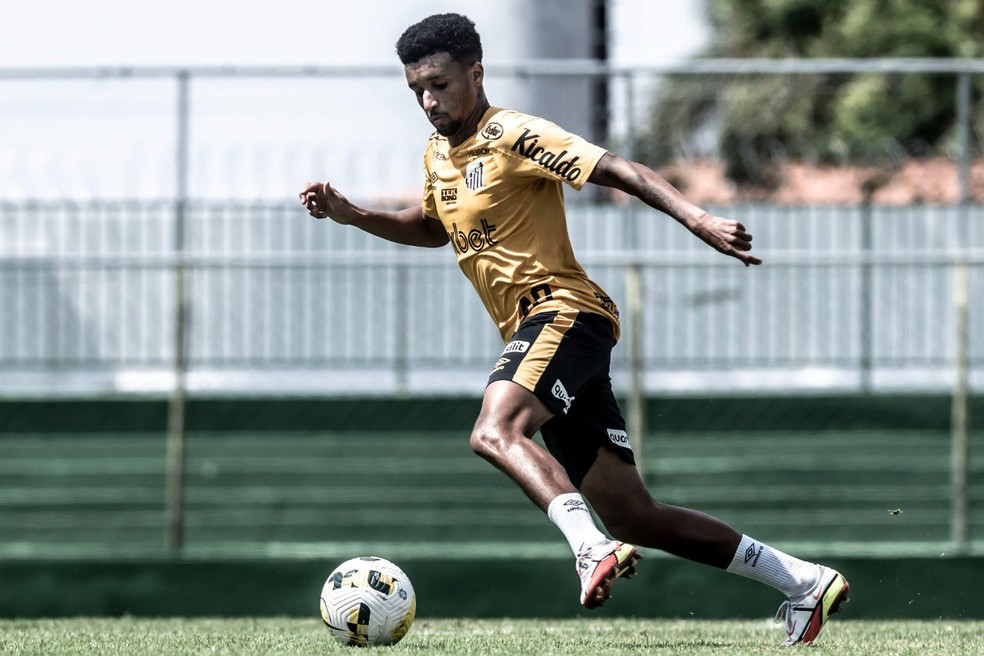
(493, 188)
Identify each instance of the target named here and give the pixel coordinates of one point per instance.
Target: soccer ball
(368, 601)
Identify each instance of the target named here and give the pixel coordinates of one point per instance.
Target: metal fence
(852, 296)
(848, 297)
(232, 296)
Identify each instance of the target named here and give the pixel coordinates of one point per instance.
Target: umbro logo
(500, 365)
(751, 552)
(574, 504)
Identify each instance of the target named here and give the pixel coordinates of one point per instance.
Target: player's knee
(487, 441)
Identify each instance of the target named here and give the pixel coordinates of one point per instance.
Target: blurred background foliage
(749, 121)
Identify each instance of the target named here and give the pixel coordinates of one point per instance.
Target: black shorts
(564, 358)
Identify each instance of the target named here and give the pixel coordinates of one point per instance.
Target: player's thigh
(556, 355)
(612, 483)
(509, 409)
(594, 423)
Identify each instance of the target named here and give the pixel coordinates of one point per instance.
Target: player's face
(447, 90)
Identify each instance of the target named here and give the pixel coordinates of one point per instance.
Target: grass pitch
(85, 636)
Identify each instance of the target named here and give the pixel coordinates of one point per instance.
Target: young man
(493, 189)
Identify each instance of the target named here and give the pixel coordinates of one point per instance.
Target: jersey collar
(470, 141)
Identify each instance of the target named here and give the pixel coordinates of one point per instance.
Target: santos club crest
(475, 175)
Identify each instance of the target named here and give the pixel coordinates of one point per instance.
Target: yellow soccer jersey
(500, 197)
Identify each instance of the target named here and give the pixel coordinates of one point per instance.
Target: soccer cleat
(599, 565)
(806, 615)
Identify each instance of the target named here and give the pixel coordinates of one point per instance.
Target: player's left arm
(725, 235)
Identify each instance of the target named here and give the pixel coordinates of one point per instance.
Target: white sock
(572, 517)
(791, 576)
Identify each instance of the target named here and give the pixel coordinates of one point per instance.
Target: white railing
(89, 290)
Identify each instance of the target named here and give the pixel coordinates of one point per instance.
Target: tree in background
(822, 118)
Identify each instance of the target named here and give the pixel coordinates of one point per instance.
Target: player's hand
(726, 236)
(324, 202)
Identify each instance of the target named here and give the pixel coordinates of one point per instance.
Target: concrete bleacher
(279, 491)
(275, 488)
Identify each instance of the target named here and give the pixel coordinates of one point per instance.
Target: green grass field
(85, 636)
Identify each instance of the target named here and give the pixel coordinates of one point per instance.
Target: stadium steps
(298, 488)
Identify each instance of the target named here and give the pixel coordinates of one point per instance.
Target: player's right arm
(410, 226)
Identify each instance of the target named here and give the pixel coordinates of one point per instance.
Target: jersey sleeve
(535, 147)
(429, 202)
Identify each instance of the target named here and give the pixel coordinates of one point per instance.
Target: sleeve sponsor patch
(516, 346)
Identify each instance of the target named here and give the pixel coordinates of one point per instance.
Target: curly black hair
(451, 33)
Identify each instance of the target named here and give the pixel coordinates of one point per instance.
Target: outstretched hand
(408, 226)
(726, 236)
(324, 202)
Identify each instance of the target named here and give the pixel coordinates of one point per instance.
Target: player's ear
(477, 74)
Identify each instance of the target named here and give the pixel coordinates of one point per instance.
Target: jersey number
(537, 295)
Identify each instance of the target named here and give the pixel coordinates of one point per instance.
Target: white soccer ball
(368, 601)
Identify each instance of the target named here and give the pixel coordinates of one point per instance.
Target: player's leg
(541, 371)
(523, 393)
(510, 416)
(614, 488)
(617, 493)
(592, 442)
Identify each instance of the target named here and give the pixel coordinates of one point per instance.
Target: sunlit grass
(462, 636)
